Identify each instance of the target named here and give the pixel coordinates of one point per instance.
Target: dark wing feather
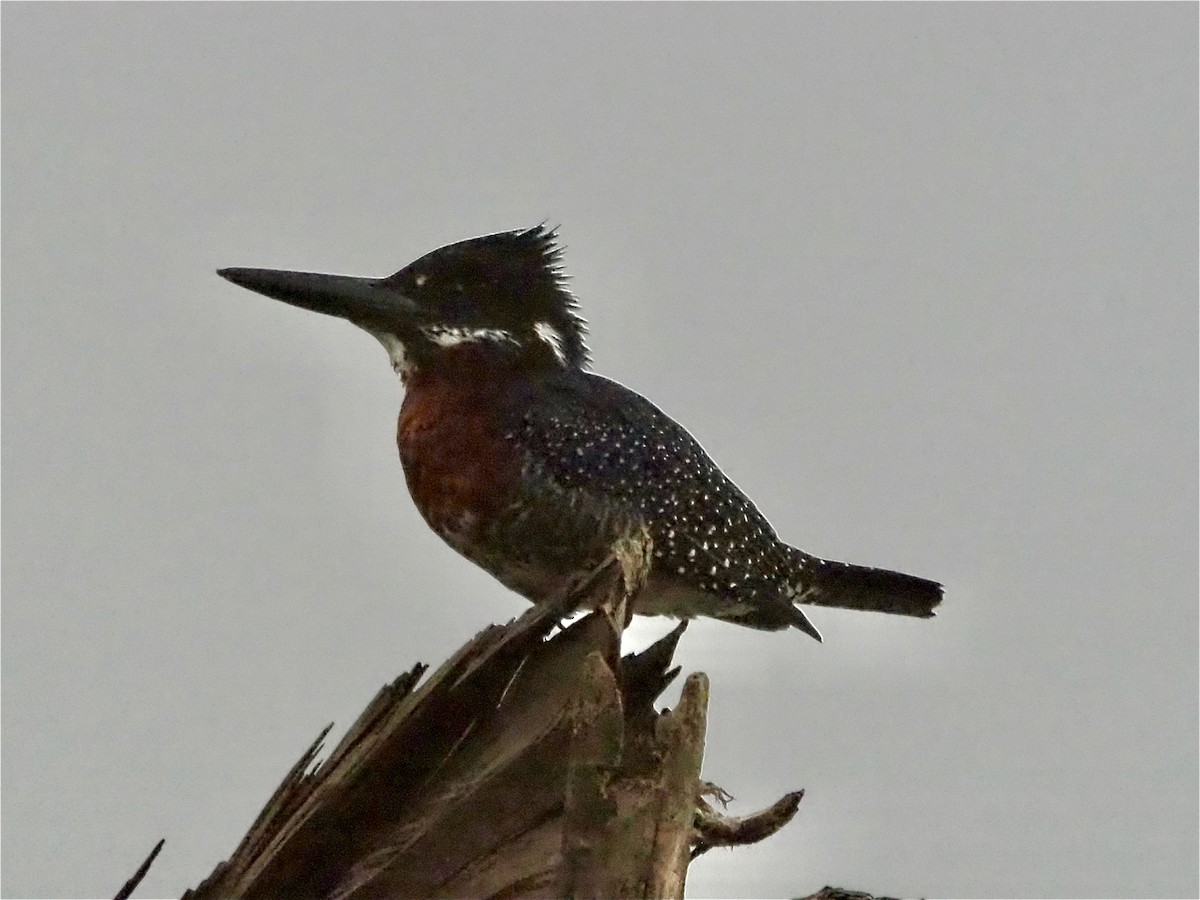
(596, 436)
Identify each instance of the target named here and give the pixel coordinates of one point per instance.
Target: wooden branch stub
(135, 879)
(325, 838)
(523, 767)
(714, 829)
(627, 825)
(836, 893)
(590, 807)
(681, 732)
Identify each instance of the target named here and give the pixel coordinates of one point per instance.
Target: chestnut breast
(460, 470)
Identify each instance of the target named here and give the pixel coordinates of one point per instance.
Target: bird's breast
(460, 470)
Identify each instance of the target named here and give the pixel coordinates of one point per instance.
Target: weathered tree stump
(523, 767)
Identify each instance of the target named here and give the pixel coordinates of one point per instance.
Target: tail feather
(824, 582)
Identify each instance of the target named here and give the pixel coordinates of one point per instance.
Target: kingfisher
(532, 467)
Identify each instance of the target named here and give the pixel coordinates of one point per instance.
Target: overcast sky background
(921, 278)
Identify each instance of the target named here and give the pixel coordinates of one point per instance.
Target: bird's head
(504, 293)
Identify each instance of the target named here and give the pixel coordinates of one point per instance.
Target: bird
(532, 466)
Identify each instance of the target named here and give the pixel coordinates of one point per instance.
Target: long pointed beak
(361, 300)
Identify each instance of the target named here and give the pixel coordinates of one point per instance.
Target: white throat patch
(395, 351)
(452, 336)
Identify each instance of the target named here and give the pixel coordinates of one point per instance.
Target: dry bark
(135, 879)
(523, 767)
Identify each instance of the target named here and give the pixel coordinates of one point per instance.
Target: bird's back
(714, 553)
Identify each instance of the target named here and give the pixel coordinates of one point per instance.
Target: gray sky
(921, 278)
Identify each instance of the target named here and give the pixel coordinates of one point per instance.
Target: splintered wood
(523, 767)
